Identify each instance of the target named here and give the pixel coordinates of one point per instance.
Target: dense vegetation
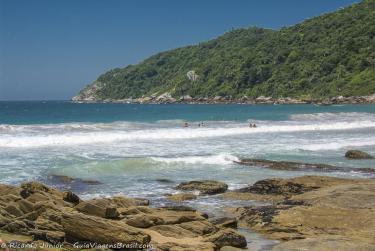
(330, 55)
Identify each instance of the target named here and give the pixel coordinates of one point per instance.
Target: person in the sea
(186, 124)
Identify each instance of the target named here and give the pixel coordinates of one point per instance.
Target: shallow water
(128, 148)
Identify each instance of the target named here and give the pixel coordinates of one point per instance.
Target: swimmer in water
(186, 124)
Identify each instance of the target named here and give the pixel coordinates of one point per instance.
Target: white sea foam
(330, 116)
(44, 138)
(335, 145)
(220, 159)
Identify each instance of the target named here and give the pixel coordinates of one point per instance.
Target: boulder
(224, 222)
(71, 197)
(199, 227)
(227, 237)
(80, 227)
(204, 186)
(67, 180)
(98, 207)
(108, 207)
(356, 154)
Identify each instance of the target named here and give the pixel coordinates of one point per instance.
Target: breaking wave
(44, 137)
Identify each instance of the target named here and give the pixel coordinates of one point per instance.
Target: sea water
(134, 149)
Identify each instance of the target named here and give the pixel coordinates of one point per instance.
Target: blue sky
(50, 49)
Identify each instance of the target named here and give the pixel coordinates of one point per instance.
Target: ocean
(145, 150)
(129, 147)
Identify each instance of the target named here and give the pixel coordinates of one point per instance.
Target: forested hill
(329, 55)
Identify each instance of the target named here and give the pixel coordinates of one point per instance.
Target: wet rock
(71, 197)
(300, 166)
(276, 187)
(182, 197)
(356, 154)
(227, 237)
(287, 165)
(165, 181)
(204, 186)
(64, 179)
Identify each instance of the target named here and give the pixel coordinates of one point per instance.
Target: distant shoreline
(167, 99)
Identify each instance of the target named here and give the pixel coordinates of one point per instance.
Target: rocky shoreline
(303, 212)
(167, 98)
(36, 215)
(311, 212)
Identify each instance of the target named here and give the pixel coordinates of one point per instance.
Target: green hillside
(330, 55)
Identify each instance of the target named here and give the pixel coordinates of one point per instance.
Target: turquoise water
(129, 148)
(52, 112)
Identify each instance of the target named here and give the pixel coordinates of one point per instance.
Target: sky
(50, 49)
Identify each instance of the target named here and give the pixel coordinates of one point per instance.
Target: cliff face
(330, 55)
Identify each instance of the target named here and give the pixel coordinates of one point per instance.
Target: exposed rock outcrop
(35, 212)
(356, 154)
(301, 166)
(204, 186)
(329, 213)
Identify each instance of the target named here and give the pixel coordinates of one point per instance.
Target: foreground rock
(356, 154)
(204, 186)
(35, 213)
(312, 211)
